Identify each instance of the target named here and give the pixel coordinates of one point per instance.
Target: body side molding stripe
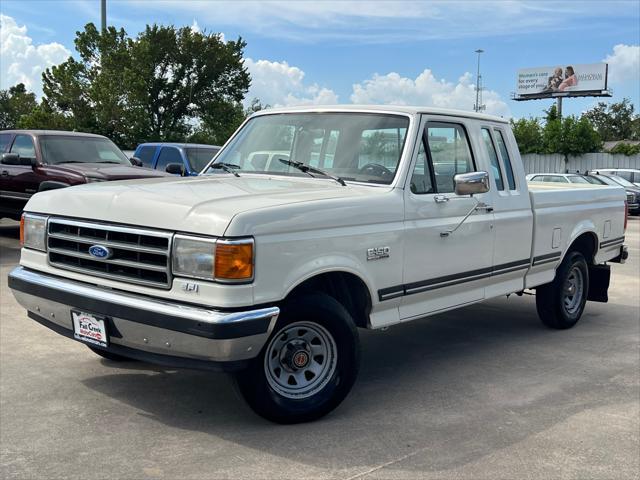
(611, 242)
(451, 280)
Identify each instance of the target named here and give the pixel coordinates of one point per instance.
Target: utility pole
(479, 106)
(103, 15)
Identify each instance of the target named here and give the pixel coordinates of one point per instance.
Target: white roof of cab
(402, 109)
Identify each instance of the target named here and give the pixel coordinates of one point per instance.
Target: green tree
(163, 85)
(15, 103)
(179, 76)
(528, 133)
(615, 121)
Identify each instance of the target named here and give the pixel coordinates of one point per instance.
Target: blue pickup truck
(191, 156)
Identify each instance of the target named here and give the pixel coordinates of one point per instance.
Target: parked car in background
(36, 160)
(186, 159)
(630, 174)
(632, 191)
(557, 178)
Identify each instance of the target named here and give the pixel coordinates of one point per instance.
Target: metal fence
(555, 163)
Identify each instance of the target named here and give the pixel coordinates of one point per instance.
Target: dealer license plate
(89, 328)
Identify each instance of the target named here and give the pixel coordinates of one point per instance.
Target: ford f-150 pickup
(360, 217)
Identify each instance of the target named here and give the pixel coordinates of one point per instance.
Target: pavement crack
(386, 464)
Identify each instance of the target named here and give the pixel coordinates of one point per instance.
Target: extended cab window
(23, 146)
(450, 153)
(504, 153)
(493, 158)
(5, 140)
(145, 154)
(168, 155)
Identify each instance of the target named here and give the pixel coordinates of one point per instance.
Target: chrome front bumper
(147, 328)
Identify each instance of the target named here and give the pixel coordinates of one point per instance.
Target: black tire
(114, 357)
(260, 384)
(557, 308)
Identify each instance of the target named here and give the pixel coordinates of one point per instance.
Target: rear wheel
(309, 364)
(560, 303)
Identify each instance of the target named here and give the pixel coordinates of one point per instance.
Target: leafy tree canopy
(15, 103)
(166, 84)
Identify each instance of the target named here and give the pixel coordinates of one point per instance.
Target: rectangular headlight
(193, 256)
(222, 260)
(33, 231)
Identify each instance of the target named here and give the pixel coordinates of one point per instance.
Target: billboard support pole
(559, 107)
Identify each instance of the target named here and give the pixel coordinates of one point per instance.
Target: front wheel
(307, 366)
(560, 303)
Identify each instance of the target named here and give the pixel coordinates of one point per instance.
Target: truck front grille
(134, 255)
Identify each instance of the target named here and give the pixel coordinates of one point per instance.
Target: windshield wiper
(227, 167)
(70, 161)
(110, 161)
(308, 169)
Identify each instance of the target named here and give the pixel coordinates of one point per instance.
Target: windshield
(359, 147)
(621, 181)
(200, 157)
(58, 149)
(594, 180)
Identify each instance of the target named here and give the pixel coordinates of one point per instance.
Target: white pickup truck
(309, 224)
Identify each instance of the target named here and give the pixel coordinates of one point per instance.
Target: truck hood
(105, 171)
(203, 205)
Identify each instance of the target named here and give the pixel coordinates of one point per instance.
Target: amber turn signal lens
(234, 261)
(22, 230)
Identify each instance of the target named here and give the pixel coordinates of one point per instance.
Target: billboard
(557, 80)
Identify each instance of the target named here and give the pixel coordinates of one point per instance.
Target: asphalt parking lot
(484, 392)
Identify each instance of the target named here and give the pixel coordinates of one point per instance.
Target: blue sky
(364, 52)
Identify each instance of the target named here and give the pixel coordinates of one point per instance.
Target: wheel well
(586, 245)
(346, 288)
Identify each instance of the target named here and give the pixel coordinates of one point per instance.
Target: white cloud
(624, 64)
(23, 62)
(426, 90)
(280, 84)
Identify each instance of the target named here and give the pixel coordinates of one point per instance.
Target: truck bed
(563, 212)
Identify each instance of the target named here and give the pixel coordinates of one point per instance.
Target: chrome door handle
(5, 173)
(486, 208)
(440, 198)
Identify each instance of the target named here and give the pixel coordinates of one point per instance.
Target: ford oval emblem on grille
(98, 251)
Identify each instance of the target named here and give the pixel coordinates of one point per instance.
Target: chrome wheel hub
(573, 291)
(300, 359)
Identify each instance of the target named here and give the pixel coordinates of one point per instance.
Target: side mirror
(32, 161)
(136, 161)
(10, 159)
(175, 168)
(471, 183)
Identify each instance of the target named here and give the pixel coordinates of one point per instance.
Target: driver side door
(441, 272)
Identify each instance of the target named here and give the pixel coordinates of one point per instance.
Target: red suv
(36, 160)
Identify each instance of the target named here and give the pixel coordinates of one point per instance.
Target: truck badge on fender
(378, 253)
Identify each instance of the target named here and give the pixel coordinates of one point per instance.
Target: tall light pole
(479, 106)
